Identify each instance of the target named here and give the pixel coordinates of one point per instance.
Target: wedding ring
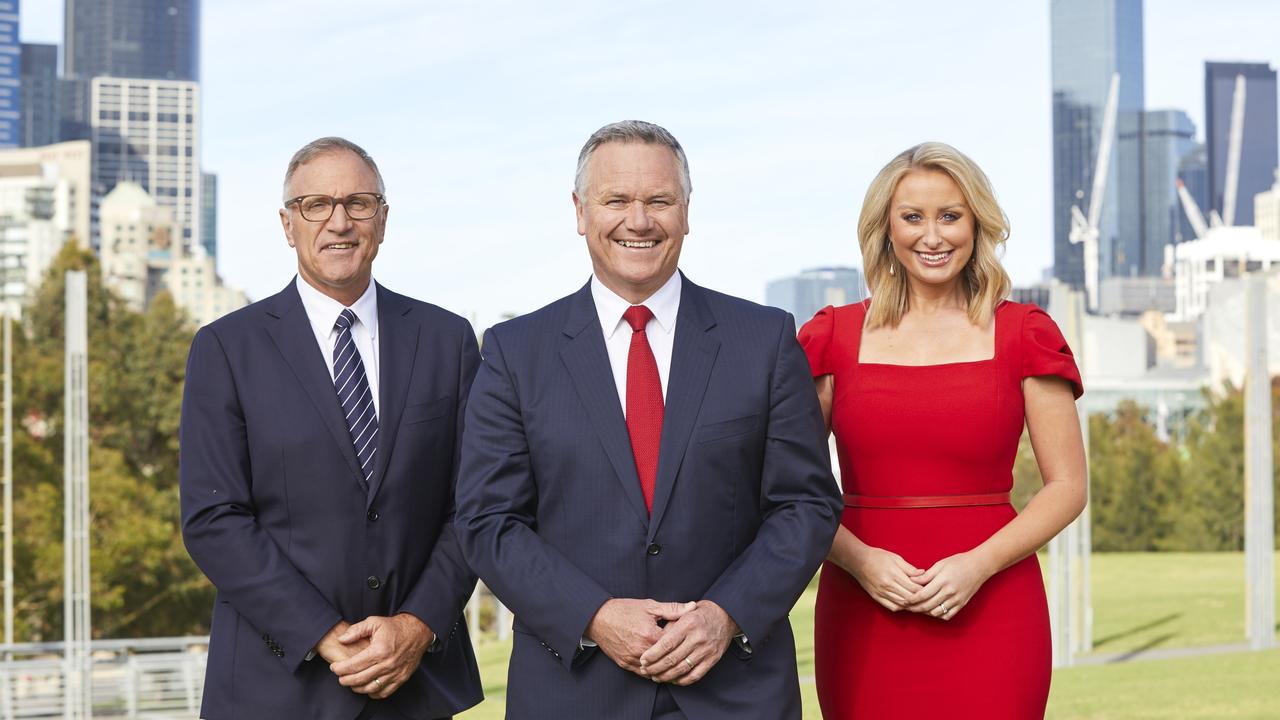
(943, 606)
(686, 662)
(377, 681)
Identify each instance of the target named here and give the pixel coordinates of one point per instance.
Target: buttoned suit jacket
(552, 517)
(274, 512)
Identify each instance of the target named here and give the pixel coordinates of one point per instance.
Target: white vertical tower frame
(77, 688)
(1070, 596)
(8, 477)
(1259, 508)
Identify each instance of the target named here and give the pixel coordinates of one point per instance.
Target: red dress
(949, 429)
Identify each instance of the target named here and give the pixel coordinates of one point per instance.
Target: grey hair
(628, 131)
(324, 146)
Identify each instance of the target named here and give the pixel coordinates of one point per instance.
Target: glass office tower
(154, 39)
(10, 76)
(1168, 138)
(1091, 40)
(39, 95)
(1258, 151)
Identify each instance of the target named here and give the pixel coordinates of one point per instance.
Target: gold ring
(378, 682)
(686, 662)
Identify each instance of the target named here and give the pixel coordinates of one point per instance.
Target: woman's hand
(949, 585)
(886, 577)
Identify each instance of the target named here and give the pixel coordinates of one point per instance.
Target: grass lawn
(1141, 601)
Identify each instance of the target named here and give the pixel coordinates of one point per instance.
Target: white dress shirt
(661, 330)
(323, 312)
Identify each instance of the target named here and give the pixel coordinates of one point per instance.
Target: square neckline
(995, 344)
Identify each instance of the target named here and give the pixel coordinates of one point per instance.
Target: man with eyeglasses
(319, 451)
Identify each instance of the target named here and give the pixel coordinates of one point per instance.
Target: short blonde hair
(984, 279)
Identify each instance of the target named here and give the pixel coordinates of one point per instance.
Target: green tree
(1211, 499)
(1129, 489)
(143, 583)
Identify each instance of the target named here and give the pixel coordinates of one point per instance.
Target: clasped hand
(940, 591)
(377, 655)
(682, 651)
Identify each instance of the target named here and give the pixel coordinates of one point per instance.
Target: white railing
(155, 678)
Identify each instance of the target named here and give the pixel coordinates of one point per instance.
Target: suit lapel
(587, 361)
(693, 354)
(291, 332)
(397, 352)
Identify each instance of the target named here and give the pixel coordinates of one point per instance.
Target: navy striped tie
(354, 394)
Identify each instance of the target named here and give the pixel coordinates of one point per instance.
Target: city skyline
(476, 117)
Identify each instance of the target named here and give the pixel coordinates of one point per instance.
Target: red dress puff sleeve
(815, 338)
(1045, 351)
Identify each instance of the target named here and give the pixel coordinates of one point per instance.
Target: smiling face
(931, 228)
(634, 216)
(334, 256)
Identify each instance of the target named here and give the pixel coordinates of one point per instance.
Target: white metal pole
(77, 689)
(1259, 509)
(8, 478)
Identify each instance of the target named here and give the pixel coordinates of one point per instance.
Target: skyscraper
(10, 75)
(1091, 40)
(147, 39)
(1258, 157)
(147, 131)
(806, 293)
(39, 95)
(153, 39)
(1168, 137)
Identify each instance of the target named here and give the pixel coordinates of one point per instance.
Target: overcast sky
(476, 111)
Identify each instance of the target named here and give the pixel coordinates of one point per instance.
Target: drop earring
(888, 246)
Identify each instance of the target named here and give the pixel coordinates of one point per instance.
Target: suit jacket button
(373, 582)
(654, 549)
(372, 515)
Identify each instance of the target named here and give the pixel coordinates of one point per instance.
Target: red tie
(644, 401)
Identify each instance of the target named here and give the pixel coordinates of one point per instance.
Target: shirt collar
(323, 311)
(664, 303)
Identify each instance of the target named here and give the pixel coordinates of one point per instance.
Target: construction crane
(1084, 229)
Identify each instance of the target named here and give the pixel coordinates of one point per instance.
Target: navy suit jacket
(551, 514)
(274, 514)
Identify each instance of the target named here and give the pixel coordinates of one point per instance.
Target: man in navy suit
(319, 442)
(645, 479)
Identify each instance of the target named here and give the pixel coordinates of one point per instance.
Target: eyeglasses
(319, 208)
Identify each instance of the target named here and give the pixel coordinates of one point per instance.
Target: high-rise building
(1168, 137)
(1258, 157)
(39, 95)
(147, 131)
(138, 237)
(803, 295)
(140, 257)
(209, 213)
(146, 39)
(10, 76)
(69, 161)
(40, 191)
(1193, 171)
(152, 39)
(1091, 40)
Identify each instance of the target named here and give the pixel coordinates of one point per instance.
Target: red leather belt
(925, 501)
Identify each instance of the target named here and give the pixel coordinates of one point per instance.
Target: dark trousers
(665, 707)
(383, 710)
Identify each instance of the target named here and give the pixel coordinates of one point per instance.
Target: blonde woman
(931, 600)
